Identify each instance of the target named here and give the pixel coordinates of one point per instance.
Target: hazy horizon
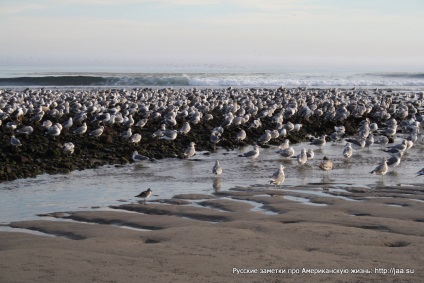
(212, 34)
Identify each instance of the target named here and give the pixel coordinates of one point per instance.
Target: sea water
(404, 78)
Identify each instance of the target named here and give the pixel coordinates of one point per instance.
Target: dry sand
(379, 233)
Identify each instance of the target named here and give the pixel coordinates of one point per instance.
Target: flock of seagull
(385, 115)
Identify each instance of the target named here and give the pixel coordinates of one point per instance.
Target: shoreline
(222, 239)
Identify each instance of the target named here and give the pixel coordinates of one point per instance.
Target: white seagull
(278, 177)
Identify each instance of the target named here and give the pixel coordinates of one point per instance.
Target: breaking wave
(218, 80)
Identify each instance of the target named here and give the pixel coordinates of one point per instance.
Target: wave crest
(216, 80)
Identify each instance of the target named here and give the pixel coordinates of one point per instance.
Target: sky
(220, 33)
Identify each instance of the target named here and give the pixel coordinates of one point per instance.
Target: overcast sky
(247, 33)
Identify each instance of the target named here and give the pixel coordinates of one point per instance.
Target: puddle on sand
(394, 205)
(257, 206)
(113, 223)
(322, 194)
(304, 201)
(4, 228)
(196, 203)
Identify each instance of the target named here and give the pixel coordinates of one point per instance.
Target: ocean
(399, 78)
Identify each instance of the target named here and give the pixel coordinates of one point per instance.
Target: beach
(380, 240)
(345, 225)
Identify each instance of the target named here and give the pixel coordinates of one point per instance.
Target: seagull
(278, 177)
(138, 157)
(310, 154)
(285, 144)
(217, 169)
(126, 134)
(348, 151)
(81, 130)
(397, 147)
(14, 141)
(326, 164)
(381, 169)
(54, 130)
(135, 138)
(190, 151)
(97, 132)
(12, 125)
(144, 194)
(369, 141)
(241, 135)
(47, 124)
(287, 152)
(26, 130)
(185, 128)
(215, 139)
(394, 159)
(357, 143)
(68, 123)
(158, 133)
(253, 154)
(68, 147)
(302, 157)
(319, 142)
(382, 141)
(266, 137)
(421, 172)
(169, 135)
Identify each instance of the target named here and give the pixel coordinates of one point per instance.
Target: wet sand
(373, 232)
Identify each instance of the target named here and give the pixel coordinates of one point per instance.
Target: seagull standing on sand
(278, 177)
(217, 169)
(145, 194)
(190, 151)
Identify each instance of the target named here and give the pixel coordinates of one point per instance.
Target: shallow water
(113, 185)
